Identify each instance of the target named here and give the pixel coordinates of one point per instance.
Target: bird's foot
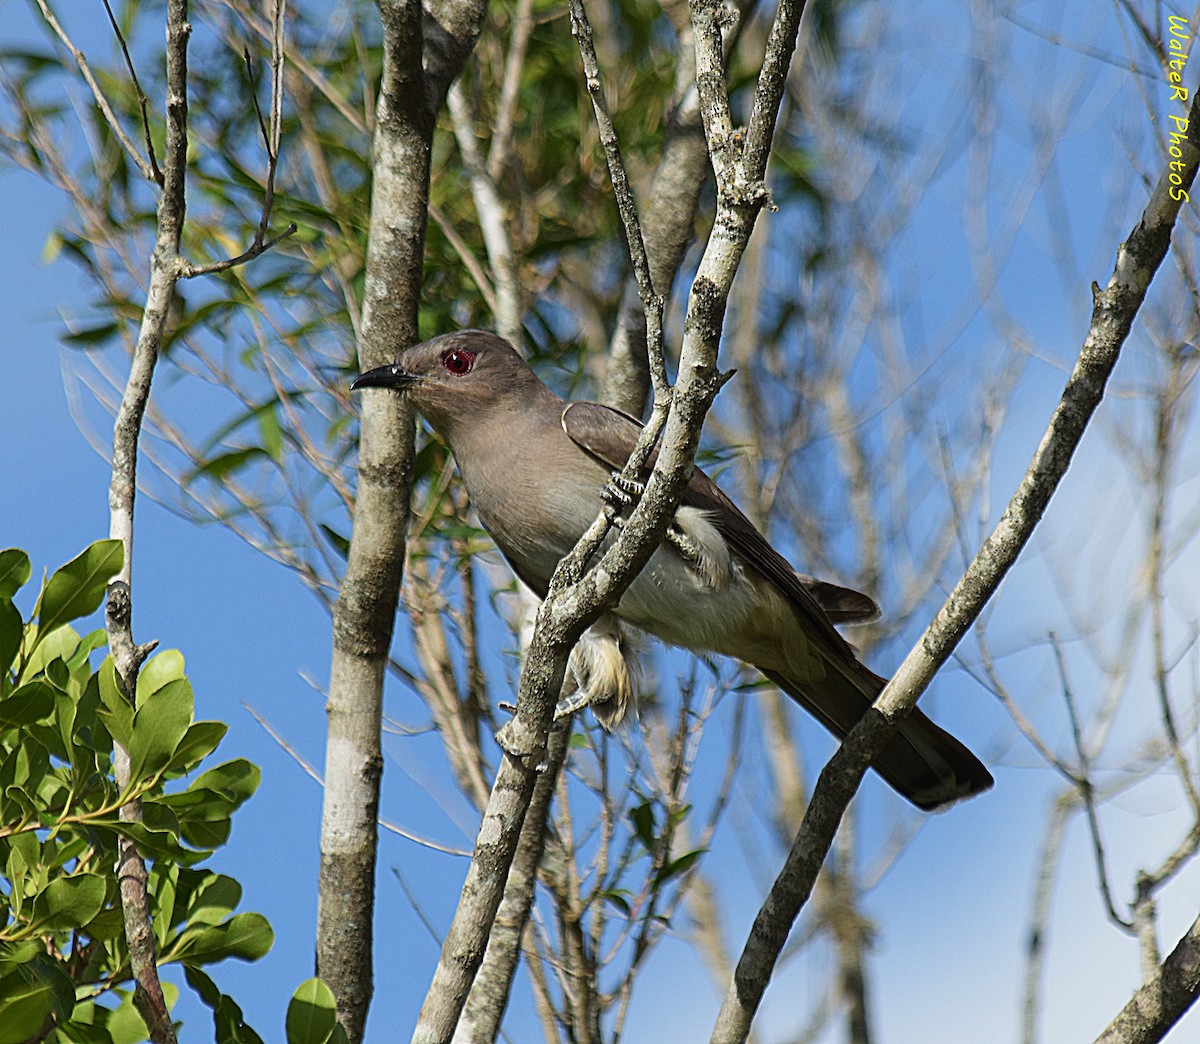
(685, 545)
(570, 704)
(620, 495)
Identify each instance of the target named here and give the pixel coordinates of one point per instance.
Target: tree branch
(421, 57)
(1114, 310)
(1162, 1001)
(127, 655)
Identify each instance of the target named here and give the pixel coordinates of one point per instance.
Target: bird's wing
(608, 435)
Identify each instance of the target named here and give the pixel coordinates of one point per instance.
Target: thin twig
(143, 101)
(1087, 790)
(271, 138)
(149, 168)
(311, 770)
(652, 301)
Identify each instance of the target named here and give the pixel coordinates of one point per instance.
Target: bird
(538, 470)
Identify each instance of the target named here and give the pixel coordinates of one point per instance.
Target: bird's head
(458, 379)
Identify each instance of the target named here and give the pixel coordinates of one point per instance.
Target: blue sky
(953, 911)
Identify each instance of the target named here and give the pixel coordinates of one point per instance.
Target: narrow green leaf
(77, 589)
(272, 434)
(311, 1014)
(220, 466)
(619, 899)
(337, 541)
(91, 336)
(14, 571)
(677, 866)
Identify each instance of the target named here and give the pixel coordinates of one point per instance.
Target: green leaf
(12, 630)
(312, 1014)
(219, 467)
(200, 740)
(159, 817)
(69, 902)
(643, 824)
(29, 995)
(115, 711)
(228, 1021)
(33, 701)
(272, 435)
(213, 899)
(47, 646)
(87, 645)
(677, 866)
(23, 867)
(159, 726)
(245, 935)
(77, 589)
(107, 925)
(337, 541)
(619, 898)
(58, 673)
(154, 844)
(125, 1025)
(91, 336)
(237, 780)
(14, 571)
(206, 833)
(166, 666)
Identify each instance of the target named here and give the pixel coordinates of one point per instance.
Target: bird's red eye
(459, 362)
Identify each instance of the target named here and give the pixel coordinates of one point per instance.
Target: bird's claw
(622, 492)
(570, 704)
(684, 544)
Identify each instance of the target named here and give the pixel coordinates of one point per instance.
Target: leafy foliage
(64, 959)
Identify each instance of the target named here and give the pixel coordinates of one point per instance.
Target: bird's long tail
(923, 762)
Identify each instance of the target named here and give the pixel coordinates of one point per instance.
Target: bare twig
(143, 101)
(1087, 790)
(148, 167)
(652, 301)
(271, 136)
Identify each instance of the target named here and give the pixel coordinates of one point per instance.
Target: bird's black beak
(390, 376)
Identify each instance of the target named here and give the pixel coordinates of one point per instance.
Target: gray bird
(536, 469)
